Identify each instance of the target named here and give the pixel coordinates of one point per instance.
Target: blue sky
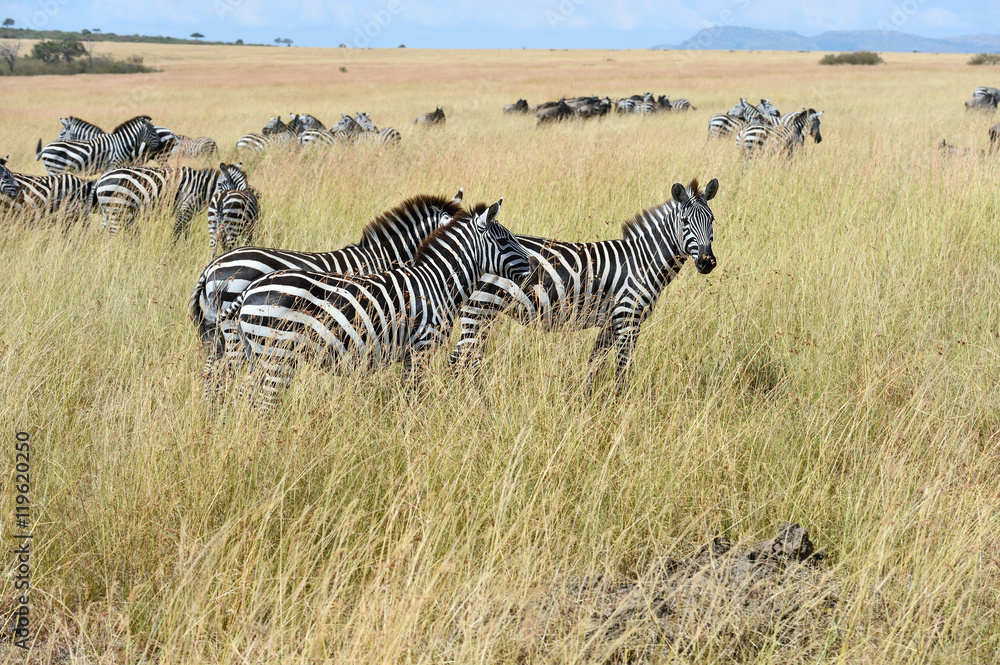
(506, 24)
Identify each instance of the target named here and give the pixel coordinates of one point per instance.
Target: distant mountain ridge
(752, 39)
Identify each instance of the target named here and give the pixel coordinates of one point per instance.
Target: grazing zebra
(126, 192)
(388, 241)
(520, 106)
(359, 323)
(9, 186)
(275, 132)
(232, 217)
(130, 142)
(372, 134)
(788, 133)
(38, 195)
(682, 104)
(436, 117)
(612, 284)
(201, 146)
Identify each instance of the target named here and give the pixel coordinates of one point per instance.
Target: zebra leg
(115, 215)
(625, 340)
(600, 353)
(184, 214)
(476, 318)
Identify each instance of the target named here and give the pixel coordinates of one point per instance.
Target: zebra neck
(447, 260)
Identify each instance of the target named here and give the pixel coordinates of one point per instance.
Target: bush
(51, 52)
(985, 59)
(853, 58)
(101, 64)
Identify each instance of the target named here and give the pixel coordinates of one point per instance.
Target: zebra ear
(679, 192)
(222, 167)
(484, 220)
(711, 189)
(3, 162)
(458, 197)
(818, 114)
(64, 121)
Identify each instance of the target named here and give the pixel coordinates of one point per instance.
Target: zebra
(360, 323)
(388, 241)
(124, 193)
(436, 117)
(77, 129)
(766, 109)
(788, 132)
(682, 104)
(9, 186)
(275, 132)
(724, 124)
(129, 142)
(307, 122)
(232, 216)
(372, 134)
(201, 146)
(612, 284)
(347, 129)
(34, 196)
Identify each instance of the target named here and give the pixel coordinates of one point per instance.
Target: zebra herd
(124, 189)
(762, 126)
(595, 107)
(395, 295)
(307, 130)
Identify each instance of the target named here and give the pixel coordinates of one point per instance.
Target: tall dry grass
(839, 369)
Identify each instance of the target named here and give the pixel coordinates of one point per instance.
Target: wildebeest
(554, 113)
(520, 106)
(435, 117)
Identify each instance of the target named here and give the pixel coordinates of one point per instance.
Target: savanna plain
(838, 369)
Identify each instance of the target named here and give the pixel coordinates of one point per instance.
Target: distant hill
(752, 39)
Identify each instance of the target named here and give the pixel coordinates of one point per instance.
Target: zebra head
(767, 108)
(813, 121)
(497, 250)
(696, 220)
(148, 141)
(9, 186)
(274, 126)
(737, 111)
(365, 122)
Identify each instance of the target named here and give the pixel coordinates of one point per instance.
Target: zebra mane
(130, 123)
(635, 227)
(386, 223)
(460, 218)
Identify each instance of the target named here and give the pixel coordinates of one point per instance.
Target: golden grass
(838, 369)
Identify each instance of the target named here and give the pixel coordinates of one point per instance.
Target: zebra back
(390, 239)
(131, 142)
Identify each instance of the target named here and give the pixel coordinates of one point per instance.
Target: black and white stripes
(358, 323)
(612, 284)
(131, 142)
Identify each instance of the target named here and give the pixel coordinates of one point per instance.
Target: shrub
(985, 59)
(101, 64)
(853, 58)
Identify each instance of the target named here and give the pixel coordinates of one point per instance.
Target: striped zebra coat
(786, 133)
(372, 134)
(274, 133)
(123, 194)
(359, 323)
(77, 129)
(131, 142)
(388, 241)
(232, 216)
(612, 285)
(34, 196)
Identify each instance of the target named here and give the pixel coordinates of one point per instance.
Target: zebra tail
(197, 313)
(38, 150)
